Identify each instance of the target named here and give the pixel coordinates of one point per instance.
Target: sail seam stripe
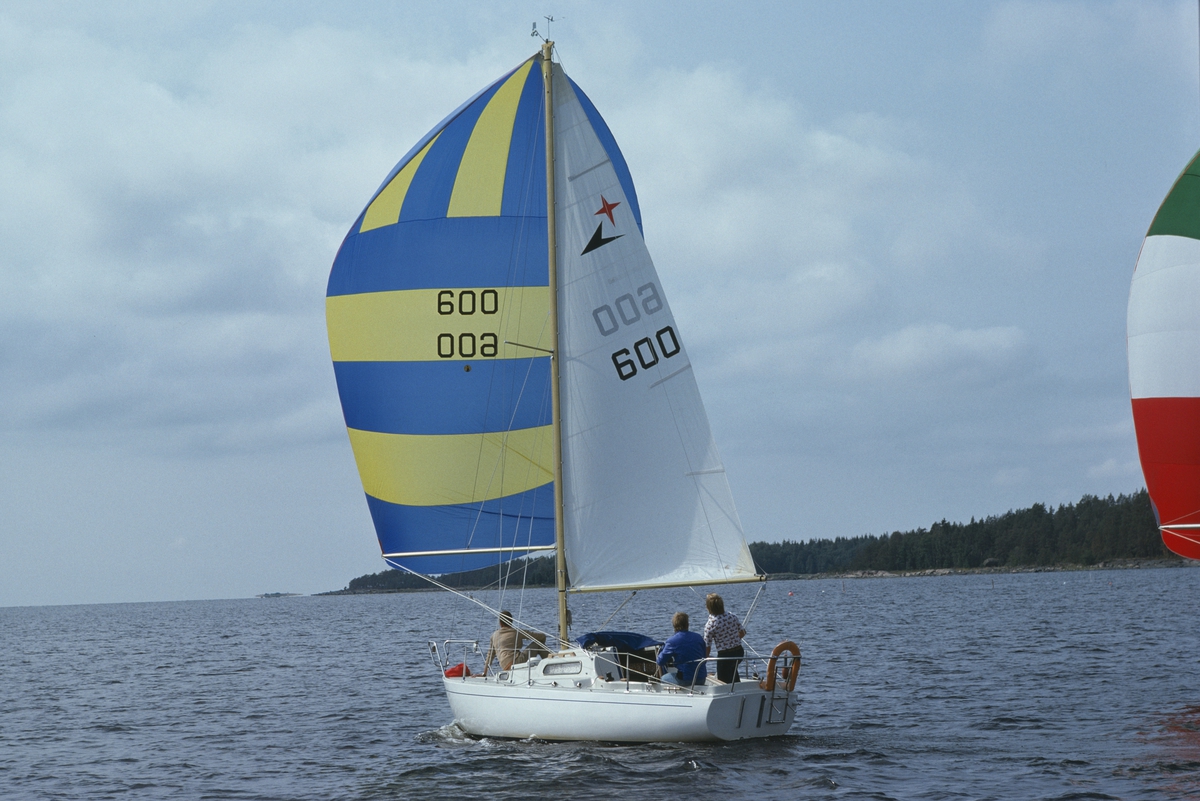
(589, 169)
(683, 369)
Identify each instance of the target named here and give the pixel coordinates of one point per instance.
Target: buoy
(790, 594)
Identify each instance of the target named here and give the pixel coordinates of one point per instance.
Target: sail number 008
(468, 302)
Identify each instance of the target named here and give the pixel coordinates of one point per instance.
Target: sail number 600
(647, 356)
(468, 345)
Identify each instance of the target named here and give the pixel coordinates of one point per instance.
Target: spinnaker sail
(449, 423)
(1164, 362)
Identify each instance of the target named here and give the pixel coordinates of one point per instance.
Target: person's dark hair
(506, 621)
(680, 621)
(715, 604)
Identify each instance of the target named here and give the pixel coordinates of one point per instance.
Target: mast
(560, 556)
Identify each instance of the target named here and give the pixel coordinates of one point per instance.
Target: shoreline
(1112, 564)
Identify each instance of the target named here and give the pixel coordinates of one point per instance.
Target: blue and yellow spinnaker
(438, 316)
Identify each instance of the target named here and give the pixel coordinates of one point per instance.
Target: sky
(897, 237)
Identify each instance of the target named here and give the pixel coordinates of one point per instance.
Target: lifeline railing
(781, 670)
(441, 657)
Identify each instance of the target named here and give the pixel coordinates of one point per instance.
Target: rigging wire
(517, 623)
(749, 612)
(753, 604)
(619, 608)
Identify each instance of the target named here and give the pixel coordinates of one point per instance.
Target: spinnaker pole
(560, 556)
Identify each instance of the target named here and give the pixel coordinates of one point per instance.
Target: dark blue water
(1051, 685)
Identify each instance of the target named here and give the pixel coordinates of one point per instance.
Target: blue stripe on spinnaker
(429, 193)
(614, 152)
(442, 398)
(524, 519)
(525, 176)
(443, 254)
(424, 140)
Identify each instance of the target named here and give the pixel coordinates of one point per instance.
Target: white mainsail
(646, 499)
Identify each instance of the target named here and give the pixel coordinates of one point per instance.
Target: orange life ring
(790, 673)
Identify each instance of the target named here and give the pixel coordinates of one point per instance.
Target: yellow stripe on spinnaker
(436, 470)
(385, 208)
(479, 185)
(409, 326)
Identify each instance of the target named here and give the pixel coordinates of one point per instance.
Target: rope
(518, 624)
(753, 604)
(749, 612)
(619, 608)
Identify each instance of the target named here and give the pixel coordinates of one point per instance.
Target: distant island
(1095, 532)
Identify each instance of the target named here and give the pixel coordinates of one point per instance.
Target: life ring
(790, 673)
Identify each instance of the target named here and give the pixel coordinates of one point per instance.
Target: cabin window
(562, 668)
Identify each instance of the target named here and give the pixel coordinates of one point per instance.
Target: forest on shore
(1092, 531)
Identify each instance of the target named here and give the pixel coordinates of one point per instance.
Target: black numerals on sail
(646, 354)
(468, 302)
(627, 310)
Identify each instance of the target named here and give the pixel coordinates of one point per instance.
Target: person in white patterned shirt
(724, 632)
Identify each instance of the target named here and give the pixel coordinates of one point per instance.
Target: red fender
(790, 673)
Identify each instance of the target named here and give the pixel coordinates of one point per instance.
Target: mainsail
(1164, 362)
(438, 312)
(642, 475)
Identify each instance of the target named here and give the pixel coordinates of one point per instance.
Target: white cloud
(1070, 43)
(939, 352)
(1131, 470)
(169, 226)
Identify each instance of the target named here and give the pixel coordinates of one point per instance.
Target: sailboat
(1163, 338)
(514, 383)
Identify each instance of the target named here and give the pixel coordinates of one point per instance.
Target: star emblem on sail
(598, 239)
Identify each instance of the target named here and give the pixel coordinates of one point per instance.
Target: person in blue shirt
(684, 649)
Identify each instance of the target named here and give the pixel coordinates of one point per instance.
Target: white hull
(523, 703)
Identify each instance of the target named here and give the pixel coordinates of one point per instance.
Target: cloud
(939, 352)
(1130, 470)
(169, 225)
(1064, 41)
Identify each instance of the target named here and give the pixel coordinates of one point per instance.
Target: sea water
(1062, 685)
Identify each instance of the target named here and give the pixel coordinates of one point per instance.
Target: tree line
(536, 572)
(1086, 533)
